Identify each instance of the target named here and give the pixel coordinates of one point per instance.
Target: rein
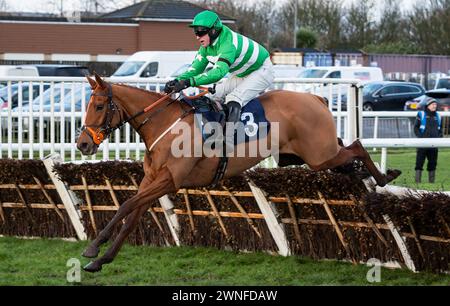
(99, 132)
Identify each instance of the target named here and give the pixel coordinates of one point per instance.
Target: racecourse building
(154, 25)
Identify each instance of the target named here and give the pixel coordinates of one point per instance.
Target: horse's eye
(99, 107)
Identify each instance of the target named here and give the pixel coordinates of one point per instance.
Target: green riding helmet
(207, 22)
(207, 19)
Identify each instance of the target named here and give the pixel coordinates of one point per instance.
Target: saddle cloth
(254, 122)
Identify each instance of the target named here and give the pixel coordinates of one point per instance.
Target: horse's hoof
(92, 267)
(392, 174)
(91, 252)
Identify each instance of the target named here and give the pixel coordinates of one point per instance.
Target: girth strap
(220, 171)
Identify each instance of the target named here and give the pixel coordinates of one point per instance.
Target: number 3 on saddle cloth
(254, 124)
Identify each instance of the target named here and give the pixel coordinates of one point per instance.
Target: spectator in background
(427, 125)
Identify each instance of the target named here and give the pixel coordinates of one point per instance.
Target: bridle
(99, 132)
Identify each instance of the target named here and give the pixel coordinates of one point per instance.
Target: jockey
(247, 62)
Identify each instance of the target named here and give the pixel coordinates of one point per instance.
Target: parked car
(385, 96)
(389, 96)
(52, 70)
(66, 101)
(15, 89)
(41, 70)
(442, 83)
(364, 74)
(442, 97)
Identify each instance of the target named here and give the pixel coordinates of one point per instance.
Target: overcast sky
(46, 6)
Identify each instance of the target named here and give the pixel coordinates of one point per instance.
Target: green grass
(43, 262)
(405, 160)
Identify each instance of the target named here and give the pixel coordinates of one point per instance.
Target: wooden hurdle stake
(276, 227)
(446, 226)
(294, 220)
(189, 209)
(159, 225)
(2, 213)
(336, 227)
(49, 198)
(171, 217)
(25, 203)
(243, 212)
(67, 196)
(400, 243)
(216, 212)
(416, 238)
(89, 204)
(113, 195)
(369, 221)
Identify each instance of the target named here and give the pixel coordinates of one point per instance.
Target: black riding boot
(418, 176)
(233, 116)
(431, 176)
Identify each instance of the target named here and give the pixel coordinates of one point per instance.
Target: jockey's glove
(181, 84)
(176, 85)
(168, 88)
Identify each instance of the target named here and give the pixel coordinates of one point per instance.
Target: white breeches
(242, 90)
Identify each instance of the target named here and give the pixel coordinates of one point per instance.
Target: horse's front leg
(148, 191)
(94, 247)
(130, 224)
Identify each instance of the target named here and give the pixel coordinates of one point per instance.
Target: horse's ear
(99, 80)
(91, 82)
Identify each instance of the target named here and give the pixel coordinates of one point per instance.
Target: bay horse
(307, 134)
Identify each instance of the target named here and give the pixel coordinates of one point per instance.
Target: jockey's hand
(169, 87)
(180, 85)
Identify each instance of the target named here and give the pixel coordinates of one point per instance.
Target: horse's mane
(153, 93)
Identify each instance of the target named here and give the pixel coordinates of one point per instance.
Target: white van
(287, 71)
(34, 70)
(10, 70)
(154, 64)
(364, 74)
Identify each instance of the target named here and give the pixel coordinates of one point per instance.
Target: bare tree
(56, 6)
(425, 29)
(393, 26)
(392, 33)
(430, 27)
(321, 16)
(360, 24)
(3, 6)
(96, 7)
(88, 7)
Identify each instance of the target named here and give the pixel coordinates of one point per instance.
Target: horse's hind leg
(130, 224)
(356, 151)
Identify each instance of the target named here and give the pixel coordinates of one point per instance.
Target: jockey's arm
(197, 67)
(226, 56)
(214, 75)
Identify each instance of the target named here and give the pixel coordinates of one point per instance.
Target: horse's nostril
(83, 145)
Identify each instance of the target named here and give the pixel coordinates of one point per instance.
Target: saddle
(210, 111)
(252, 116)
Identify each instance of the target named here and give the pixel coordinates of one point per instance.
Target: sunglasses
(201, 31)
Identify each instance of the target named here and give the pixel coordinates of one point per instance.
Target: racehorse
(307, 134)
